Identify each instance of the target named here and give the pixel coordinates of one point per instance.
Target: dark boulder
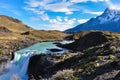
(25, 33)
(12, 55)
(38, 66)
(55, 50)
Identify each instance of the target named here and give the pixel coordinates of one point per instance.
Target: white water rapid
(17, 69)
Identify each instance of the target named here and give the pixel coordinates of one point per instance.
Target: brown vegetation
(14, 35)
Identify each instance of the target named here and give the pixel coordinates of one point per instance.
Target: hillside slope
(15, 35)
(43, 35)
(13, 24)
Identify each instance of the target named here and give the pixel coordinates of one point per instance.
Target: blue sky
(55, 14)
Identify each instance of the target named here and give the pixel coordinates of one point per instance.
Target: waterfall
(17, 69)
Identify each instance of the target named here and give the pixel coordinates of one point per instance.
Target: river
(17, 68)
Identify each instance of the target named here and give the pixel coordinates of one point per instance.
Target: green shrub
(1, 52)
(111, 57)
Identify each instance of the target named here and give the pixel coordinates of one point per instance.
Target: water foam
(17, 69)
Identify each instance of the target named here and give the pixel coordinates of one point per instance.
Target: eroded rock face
(39, 65)
(44, 66)
(86, 41)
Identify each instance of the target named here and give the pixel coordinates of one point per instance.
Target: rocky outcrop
(96, 61)
(84, 40)
(43, 66)
(38, 66)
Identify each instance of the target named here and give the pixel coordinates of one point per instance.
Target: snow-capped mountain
(109, 15)
(109, 20)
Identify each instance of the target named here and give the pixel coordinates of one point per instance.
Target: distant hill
(13, 24)
(109, 20)
(47, 35)
(11, 28)
(14, 35)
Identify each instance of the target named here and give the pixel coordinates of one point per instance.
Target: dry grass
(47, 35)
(13, 25)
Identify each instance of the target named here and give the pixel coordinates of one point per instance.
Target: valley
(89, 51)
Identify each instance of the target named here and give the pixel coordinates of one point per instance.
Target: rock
(92, 39)
(25, 33)
(12, 55)
(38, 65)
(55, 50)
(86, 41)
(4, 29)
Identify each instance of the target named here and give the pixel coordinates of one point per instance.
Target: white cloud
(45, 17)
(52, 5)
(41, 14)
(60, 7)
(112, 5)
(92, 12)
(40, 7)
(34, 10)
(60, 23)
(34, 19)
(81, 1)
(78, 1)
(96, 13)
(59, 18)
(82, 20)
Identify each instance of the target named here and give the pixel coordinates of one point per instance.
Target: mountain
(109, 20)
(13, 24)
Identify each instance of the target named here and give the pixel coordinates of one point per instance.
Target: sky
(55, 14)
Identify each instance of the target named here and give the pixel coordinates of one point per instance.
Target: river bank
(9, 46)
(21, 59)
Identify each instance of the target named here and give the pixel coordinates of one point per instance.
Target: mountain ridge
(109, 21)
